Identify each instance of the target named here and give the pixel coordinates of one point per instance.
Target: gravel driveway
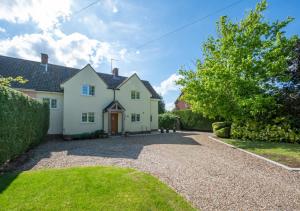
(209, 174)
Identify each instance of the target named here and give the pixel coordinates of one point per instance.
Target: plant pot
(174, 130)
(167, 130)
(161, 130)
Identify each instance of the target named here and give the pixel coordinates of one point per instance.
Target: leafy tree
(6, 81)
(161, 106)
(242, 69)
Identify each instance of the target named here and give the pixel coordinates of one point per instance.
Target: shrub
(167, 120)
(265, 132)
(193, 121)
(221, 129)
(23, 123)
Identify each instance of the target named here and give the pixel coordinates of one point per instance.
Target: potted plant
(161, 130)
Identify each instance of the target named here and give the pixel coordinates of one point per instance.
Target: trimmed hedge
(265, 132)
(221, 129)
(167, 120)
(23, 123)
(193, 121)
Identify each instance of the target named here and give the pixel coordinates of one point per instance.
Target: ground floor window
(135, 117)
(88, 117)
(51, 102)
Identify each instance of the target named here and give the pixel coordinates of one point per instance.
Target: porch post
(123, 117)
(109, 122)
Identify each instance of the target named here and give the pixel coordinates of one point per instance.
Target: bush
(221, 129)
(92, 135)
(167, 120)
(193, 121)
(23, 123)
(265, 132)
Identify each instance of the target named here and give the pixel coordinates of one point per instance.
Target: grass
(285, 153)
(87, 188)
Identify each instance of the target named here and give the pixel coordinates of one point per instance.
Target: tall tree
(242, 69)
(161, 106)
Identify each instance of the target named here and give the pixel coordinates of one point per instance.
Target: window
(88, 90)
(135, 95)
(133, 117)
(88, 117)
(91, 117)
(53, 103)
(84, 117)
(132, 94)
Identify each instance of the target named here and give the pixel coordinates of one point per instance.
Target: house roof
(50, 80)
(114, 103)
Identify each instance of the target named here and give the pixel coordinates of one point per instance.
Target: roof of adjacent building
(50, 80)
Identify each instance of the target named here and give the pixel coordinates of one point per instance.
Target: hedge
(221, 129)
(23, 123)
(167, 120)
(265, 132)
(193, 121)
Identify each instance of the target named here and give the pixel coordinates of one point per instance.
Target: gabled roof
(50, 80)
(112, 104)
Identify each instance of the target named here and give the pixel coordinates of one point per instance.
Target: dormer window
(88, 90)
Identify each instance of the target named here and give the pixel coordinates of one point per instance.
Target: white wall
(75, 103)
(140, 106)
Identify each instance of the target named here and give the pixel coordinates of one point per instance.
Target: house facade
(83, 100)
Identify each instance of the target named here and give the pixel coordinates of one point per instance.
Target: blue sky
(115, 29)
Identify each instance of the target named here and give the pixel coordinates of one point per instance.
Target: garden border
(255, 155)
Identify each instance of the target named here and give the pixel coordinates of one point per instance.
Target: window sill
(87, 122)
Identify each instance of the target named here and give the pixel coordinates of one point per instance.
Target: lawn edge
(256, 155)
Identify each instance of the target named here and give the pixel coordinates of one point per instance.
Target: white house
(83, 100)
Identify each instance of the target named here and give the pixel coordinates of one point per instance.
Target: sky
(118, 29)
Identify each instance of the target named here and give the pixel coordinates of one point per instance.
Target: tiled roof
(50, 80)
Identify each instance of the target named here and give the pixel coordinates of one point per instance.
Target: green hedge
(193, 121)
(221, 129)
(167, 120)
(265, 132)
(23, 123)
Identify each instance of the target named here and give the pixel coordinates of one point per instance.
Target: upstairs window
(135, 95)
(87, 90)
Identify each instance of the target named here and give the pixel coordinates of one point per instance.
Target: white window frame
(135, 95)
(135, 117)
(88, 115)
(88, 89)
(50, 102)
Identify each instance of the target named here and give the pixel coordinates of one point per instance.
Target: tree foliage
(7, 81)
(161, 106)
(243, 69)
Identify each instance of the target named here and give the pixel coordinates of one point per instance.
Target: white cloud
(45, 13)
(170, 106)
(2, 30)
(73, 50)
(168, 85)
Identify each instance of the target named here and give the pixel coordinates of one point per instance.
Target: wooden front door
(114, 123)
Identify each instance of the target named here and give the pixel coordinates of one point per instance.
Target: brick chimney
(44, 58)
(44, 61)
(115, 72)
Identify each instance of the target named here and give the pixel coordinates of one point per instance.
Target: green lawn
(87, 188)
(285, 153)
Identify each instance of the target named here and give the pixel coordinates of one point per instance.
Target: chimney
(44, 61)
(44, 58)
(115, 72)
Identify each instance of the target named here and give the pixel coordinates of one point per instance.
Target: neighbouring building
(83, 100)
(180, 104)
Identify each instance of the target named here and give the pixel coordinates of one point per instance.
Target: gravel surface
(211, 175)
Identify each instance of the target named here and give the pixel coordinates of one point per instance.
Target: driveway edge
(255, 155)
